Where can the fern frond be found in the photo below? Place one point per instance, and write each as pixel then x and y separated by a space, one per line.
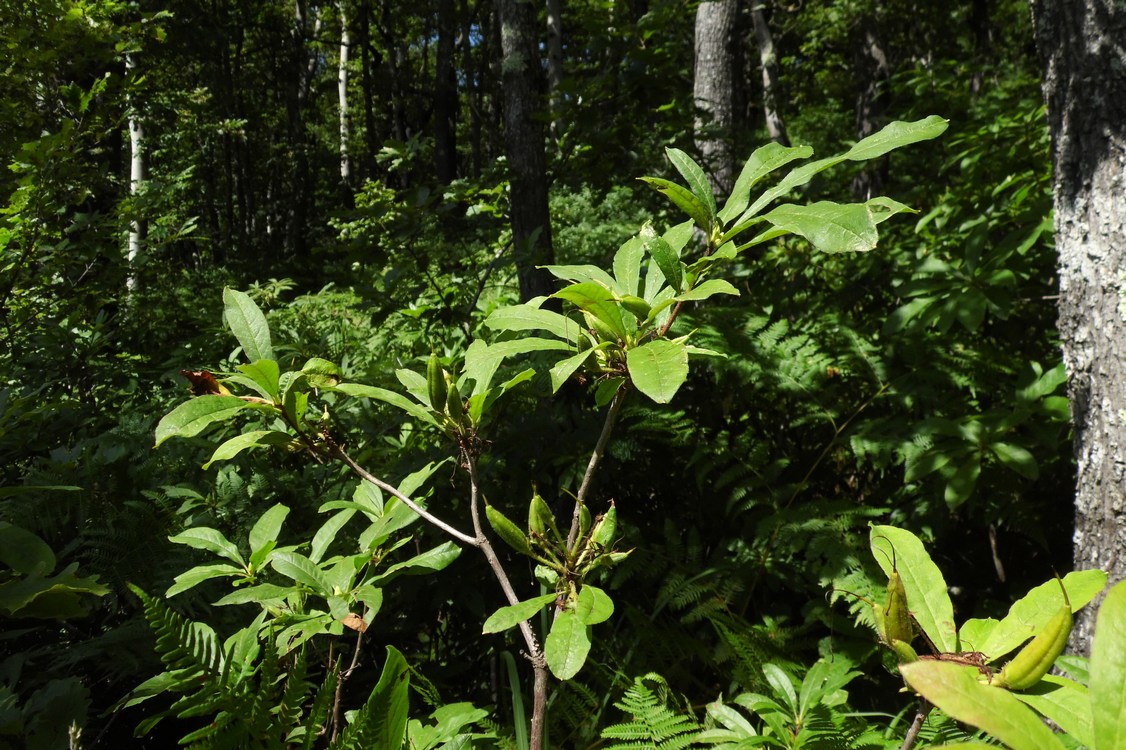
pixel 653 724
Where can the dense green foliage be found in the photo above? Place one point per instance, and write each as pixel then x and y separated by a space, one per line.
pixel 916 384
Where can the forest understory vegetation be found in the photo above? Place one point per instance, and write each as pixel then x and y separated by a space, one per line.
pixel 290 457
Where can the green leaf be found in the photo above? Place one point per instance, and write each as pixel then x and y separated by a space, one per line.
pixel 430 561
pixel 482 360
pixel 23 551
pixel 397 400
pixel 927 596
pixel 202 537
pixel 961 485
pixel 658 368
pixel 511 616
pixel 326 534
pixel 1031 613
pixel 684 200
pixel 264 376
pixel 267 527
pixel 301 569
pixel 527 318
pixel 830 227
pixel 389 705
pixel 707 289
pixel 666 258
pixel 1065 702
pixel 248 324
pixel 1016 458
pixel 567 645
pixel 253 439
pixel 594 605
pixel 562 370
pixel 763 161
pixel 585 274
pixel 627 265
pixel 197 575
pixel 954 688
pixel 1108 671
pixel 596 300
pixel 191 417
pixel 696 179
pixel 897 134
pixel 263 593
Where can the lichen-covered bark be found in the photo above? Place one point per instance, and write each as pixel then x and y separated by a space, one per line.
pixel 1082 47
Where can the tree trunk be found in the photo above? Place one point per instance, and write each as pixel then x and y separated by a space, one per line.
pixel 771 88
pixel 1080 46
pixel 136 179
pixel 555 63
pixel 713 90
pixel 524 147
pixel 874 71
pixel 342 93
pixel 445 95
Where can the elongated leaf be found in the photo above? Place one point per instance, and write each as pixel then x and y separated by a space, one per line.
pixel 191 417
pixel 389 704
pixel 596 300
pixel 666 258
pixel 267 527
pixel 896 134
pixel 247 440
pixel 762 162
pixel 658 368
pixel 511 616
pixel 1031 613
pixel 429 561
pixel 1108 671
pixel 527 318
pixel 197 575
pixel 211 540
pixel 562 370
pixel 303 570
pixel 415 384
pixel 830 227
pixel 326 534
pixel 954 688
pixel 684 200
pixel 707 289
pixel 389 397
pixel 627 265
pixel 1065 702
pixel 263 377
pixel 482 360
pixel 927 597
pixel 567 645
pixel 696 179
pixel 261 594
pixel 585 274
pixel 248 324
pixel 594 605
pixel 1016 458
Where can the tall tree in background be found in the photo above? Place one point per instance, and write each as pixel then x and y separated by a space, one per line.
pixel 521 76
pixel 873 72
pixel 1082 49
pixel 445 95
pixel 342 94
pixel 771 88
pixel 136 172
pixel 713 88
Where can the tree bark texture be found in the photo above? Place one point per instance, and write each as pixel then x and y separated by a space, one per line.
pixel 445 95
pixel 136 178
pixel 874 71
pixel 713 90
pixel 1082 47
pixel 342 94
pixel 521 76
pixel 555 64
pixel 771 88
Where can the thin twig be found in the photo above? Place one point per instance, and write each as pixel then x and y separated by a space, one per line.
pixel 427 515
pixel 920 716
pixel 592 465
